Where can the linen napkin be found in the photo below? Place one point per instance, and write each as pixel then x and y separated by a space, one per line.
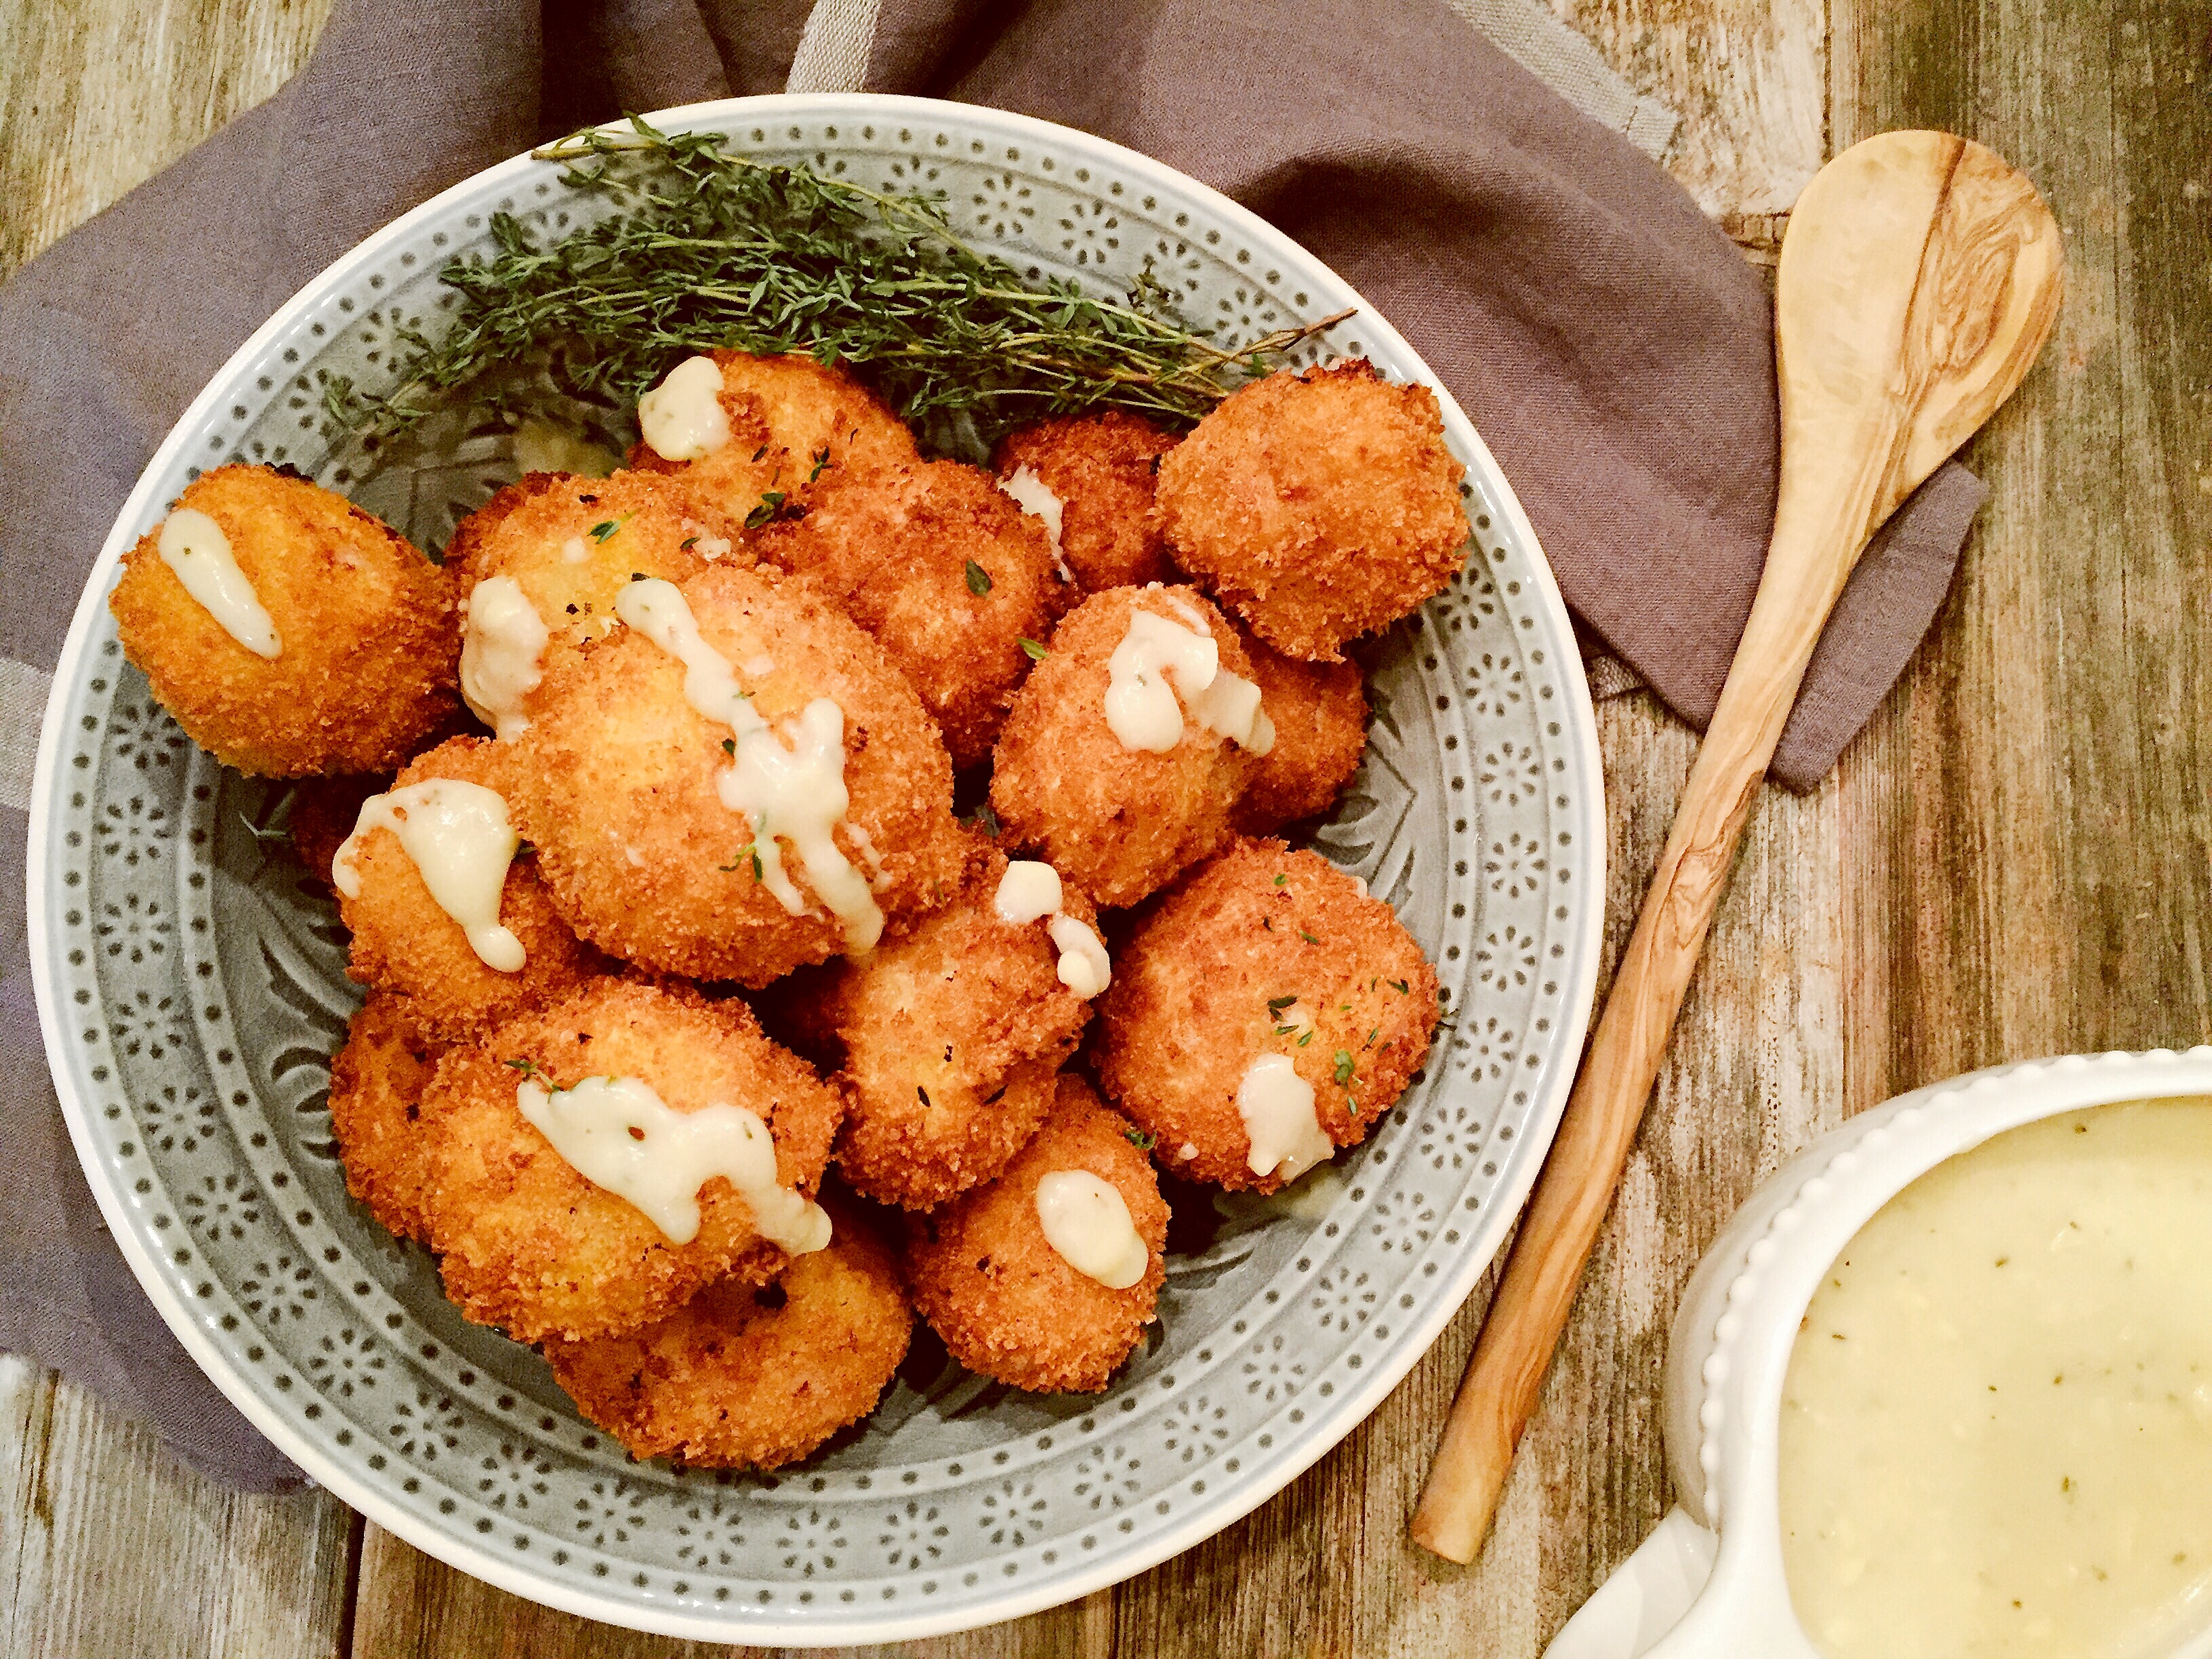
pixel 1608 341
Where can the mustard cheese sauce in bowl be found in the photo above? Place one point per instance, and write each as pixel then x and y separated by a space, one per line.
pixel 191 984
pixel 1944 1387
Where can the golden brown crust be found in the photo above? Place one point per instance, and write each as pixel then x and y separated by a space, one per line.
pixel 625 524
pixel 744 1376
pixel 619 792
pixel 1321 506
pixel 1117 823
pixel 1006 1304
pixel 369 637
pixel 900 548
pixel 529 1244
pixel 794 424
pixel 1197 996
pixel 951 1036
pixel 377 1082
pixel 1102 467
pixel 1320 713
pixel 404 943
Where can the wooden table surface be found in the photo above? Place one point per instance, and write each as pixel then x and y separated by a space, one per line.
pixel 2011 861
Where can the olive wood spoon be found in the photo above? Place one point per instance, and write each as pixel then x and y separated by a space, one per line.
pixel 1919 276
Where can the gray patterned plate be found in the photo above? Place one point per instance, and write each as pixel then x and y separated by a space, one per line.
pixel 192 987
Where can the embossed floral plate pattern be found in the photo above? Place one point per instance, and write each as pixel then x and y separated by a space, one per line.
pixel 191 985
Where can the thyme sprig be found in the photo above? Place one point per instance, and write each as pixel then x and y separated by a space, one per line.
pixel 706 248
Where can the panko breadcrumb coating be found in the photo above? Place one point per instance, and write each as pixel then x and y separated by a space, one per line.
pixel 366 630
pixel 1117 823
pixel 571 544
pixel 526 1241
pixel 405 944
pixel 1264 950
pixel 1103 468
pixel 376 1088
pixel 794 424
pixel 1319 712
pixel 620 785
pixel 1320 506
pixel 945 571
pixel 1006 1301
pixel 951 1035
pixel 751 1377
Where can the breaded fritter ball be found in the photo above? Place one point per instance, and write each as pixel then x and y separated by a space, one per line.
pixel 364 637
pixel 1320 713
pixel 1320 506
pixel 794 424
pixel 526 1243
pixel 1262 951
pixel 622 773
pixel 377 1082
pixel 751 1377
pixel 1101 468
pixel 405 943
pixel 1006 1303
pixel 1118 823
pixel 947 573
pixel 951 1035
pixel 570 545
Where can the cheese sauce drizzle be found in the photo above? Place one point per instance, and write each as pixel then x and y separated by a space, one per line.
pixel 1157 657
pixel 503 642
pixel 617 1133
pixel 1035 497
pixel 1086 1221
pixel 1277 1106
pixel 193 545
pixel 681 418
pixel 794 793
pixel 1031 890
pixel 458 836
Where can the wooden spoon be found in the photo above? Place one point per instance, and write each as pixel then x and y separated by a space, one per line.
pixel 1919 276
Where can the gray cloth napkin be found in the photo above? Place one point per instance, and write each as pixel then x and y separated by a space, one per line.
pixel 1609 341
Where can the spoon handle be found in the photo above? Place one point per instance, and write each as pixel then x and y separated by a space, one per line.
pixel 1812 554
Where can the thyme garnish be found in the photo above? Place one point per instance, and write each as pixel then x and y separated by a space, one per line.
pixel 706 248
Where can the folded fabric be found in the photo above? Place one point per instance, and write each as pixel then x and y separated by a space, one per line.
pixel 1609 341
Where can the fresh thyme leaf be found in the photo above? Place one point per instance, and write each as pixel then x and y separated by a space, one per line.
pixel 1400 987
pixel 770 502
pixel 1279 880
pixel 688 543
pixel 730 747
pixel 606 527
pixel 1343 1067
pixel 1276 1004
pixel 1036 653
pixel 820 461
pixel 979 580
pixel 527 1067
pixel 1143 1140
pixel 702 248
pixel 1307 937
pixel 261 836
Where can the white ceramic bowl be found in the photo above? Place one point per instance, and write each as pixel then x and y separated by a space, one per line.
pixel 1709 1582
pixel 192 989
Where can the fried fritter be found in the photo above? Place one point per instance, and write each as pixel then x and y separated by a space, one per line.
pixel 1118 823
pixel 1007 1304
pixel 945 571
pixel 405 943
pixel 1320 506
pixel 1320 715
pixel 1263 951
pixel 751 1377
pixel 569 544
pixel 366 638
pixel 794 424
pixel 1101 468
pixel 951 1035
pixel 622 773
pixel 377 1082
pixel 527 1242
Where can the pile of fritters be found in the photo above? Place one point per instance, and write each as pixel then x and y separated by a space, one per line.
pixel 924 1084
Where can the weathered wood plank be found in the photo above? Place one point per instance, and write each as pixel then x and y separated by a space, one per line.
pixel 110 1547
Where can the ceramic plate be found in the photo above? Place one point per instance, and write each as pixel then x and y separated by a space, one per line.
pixel 192 987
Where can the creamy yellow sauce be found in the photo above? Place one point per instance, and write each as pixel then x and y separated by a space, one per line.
pixel 1996 1429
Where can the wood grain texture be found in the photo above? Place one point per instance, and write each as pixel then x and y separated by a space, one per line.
pixel 2012 861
